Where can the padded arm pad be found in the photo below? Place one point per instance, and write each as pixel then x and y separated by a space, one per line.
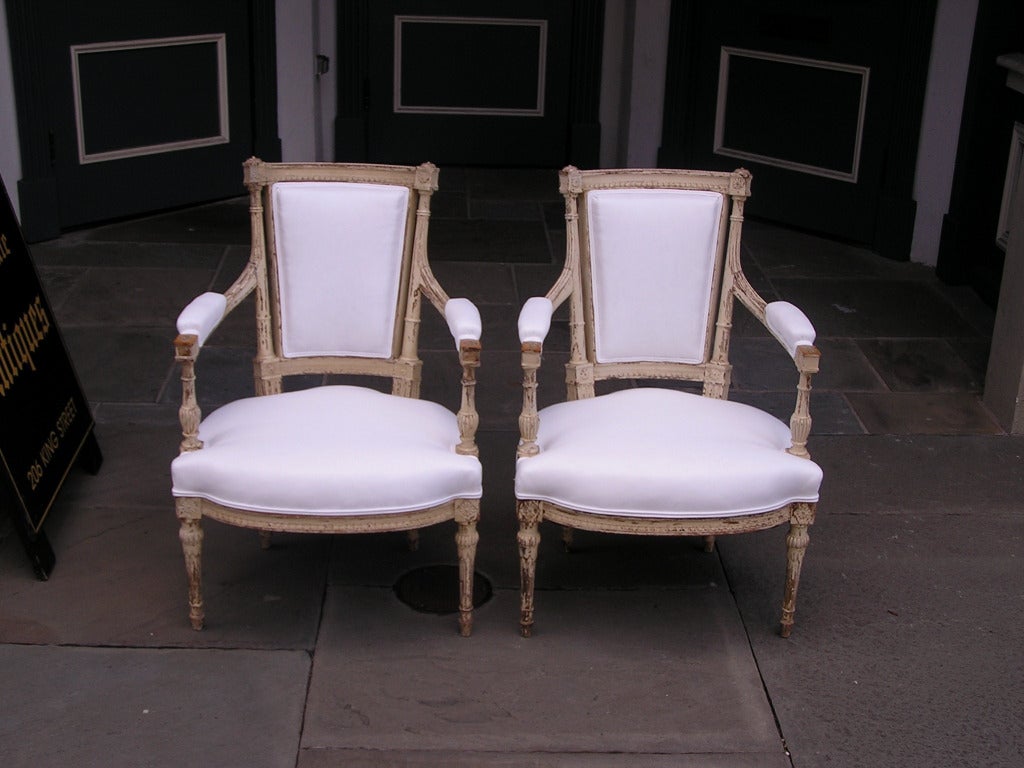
pixel 202 315
pixel 789 325
pixel 463 320
pixel 535 319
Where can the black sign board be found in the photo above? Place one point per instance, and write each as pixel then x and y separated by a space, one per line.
pixel 45 421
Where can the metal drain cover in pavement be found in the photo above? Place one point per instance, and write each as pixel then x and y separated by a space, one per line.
pixel 435 589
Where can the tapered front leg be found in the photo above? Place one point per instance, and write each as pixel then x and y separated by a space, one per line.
pixel 530 514
pixel 466 538
pixel 191 536
pixel 796 547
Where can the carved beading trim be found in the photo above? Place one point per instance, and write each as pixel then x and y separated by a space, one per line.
pixel 665 526
pixel 300 523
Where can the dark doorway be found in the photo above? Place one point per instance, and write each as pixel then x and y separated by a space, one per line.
pixel 821 101
pixel 128 107
pixel 459 82
pixel 975 231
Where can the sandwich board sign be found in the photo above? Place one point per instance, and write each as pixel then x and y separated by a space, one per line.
pixel 45 422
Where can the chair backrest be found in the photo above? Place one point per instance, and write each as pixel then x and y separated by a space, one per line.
pixel 652 265
pixel 339 259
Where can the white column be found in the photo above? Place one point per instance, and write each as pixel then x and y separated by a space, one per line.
pixel 1004 382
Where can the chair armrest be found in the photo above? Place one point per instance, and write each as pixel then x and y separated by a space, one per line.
pixel 463 320
pixel 202 316
pixel 789 325
pixel 794 331
pixel 195 324
pixel 534 324
pixel 535 319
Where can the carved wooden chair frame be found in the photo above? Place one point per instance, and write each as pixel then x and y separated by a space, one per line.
pixel 270 366
pixel 583 371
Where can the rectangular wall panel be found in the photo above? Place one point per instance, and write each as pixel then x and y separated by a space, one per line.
pixel 446 65
pixel 143 97
pixel 800 114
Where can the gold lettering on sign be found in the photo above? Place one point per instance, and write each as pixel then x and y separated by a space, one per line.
pixel 5 249
pixel 51 443
pixel 19 342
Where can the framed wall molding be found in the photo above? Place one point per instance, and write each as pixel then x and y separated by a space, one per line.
pixel 769 104
pixel 498 84
pixel 109 71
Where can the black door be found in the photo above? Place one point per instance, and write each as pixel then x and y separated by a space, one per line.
pixel 137 106
pixel 821 101
pixel 469 82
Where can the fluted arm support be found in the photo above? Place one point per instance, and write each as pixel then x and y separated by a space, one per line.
pixel 807 358
pixel 468 418
pixel 195 324
pixel 528 419
pixel 186 350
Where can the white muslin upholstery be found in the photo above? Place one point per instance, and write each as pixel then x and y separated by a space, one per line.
pixel 339 253
pixel 652 252
pixel 535 319
pixel 663 453
pixel 202 315
pixel 335 450
pixel 789 325
pixel 463 320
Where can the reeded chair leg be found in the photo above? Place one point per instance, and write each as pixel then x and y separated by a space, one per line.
pixel 466 539
pixel 191 535
pixel 709 544
pixel 529 513
pixel 796 546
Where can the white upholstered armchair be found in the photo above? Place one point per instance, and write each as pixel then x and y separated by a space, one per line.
pixel 339 270
pixel 651 274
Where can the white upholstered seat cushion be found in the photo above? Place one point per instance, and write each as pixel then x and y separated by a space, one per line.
pixel 335 450
pixel 662 453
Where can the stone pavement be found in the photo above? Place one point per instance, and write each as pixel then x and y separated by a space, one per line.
pixel 647 652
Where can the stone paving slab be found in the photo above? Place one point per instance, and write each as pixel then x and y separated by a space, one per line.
pixel 120 581
pixel 638 672
pixel 924 413
pixel 919 473
pixel 361 758
pixel 906 649
pixel 160 708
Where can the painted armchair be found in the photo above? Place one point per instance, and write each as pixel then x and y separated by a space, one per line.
pixel 651 274
pixel 339 269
